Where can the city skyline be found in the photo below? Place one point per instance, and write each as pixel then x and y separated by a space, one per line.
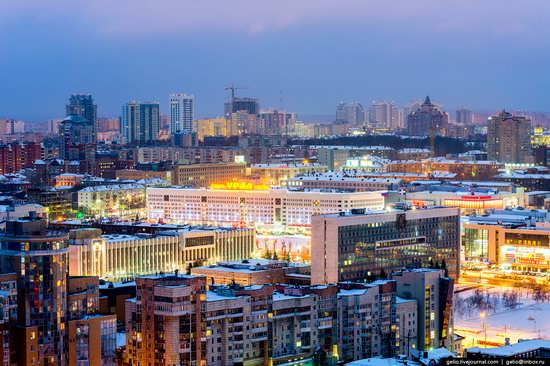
pixel 353 51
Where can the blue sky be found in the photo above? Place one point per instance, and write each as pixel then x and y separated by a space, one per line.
pixel 488 54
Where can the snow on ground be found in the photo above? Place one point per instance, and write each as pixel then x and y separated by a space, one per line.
pixel 530 320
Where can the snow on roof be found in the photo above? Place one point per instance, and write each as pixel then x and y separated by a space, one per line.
pixel 378 361
pixel 513 349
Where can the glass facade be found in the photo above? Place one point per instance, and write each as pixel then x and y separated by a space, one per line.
pixel 40 259
pixel 365 250
pixel 476 244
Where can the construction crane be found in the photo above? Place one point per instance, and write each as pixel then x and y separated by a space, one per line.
pixel 233 88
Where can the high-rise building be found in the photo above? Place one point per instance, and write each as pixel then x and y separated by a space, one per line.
pixel 166 323
pixel 509 138
pixel 464 116
pixel 248 105
pixel 353 113
pixel 362 244
pixel 82 105
pixel 433 292
pixel 140 122
pixel 276 123
pixel 426 118
pixel 78 143
pixel 182 112
pixel 384 114
pixel 39 258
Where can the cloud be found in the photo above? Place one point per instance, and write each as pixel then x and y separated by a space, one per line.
pixel 146 18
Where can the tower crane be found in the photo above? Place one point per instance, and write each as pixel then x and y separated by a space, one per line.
pixel 232 87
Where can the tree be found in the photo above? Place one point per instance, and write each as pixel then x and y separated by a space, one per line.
pixel 267 254
pixel 275 256
pixel 431 263
pixel 383 274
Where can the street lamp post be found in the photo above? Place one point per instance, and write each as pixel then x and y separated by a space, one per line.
pixel 482 316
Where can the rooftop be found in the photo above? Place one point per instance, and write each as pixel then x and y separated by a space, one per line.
pixel 513 349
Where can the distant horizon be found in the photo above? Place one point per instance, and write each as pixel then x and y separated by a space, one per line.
pixel 308 118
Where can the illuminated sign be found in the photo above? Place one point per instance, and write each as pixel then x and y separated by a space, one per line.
pixel 240 186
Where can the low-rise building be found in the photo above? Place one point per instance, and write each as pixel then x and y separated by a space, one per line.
pixel 119 256
pixel 125 200
pixel 528 349
pixel 248 272
pixel 343 181
pixel 279 174
pixel 204 175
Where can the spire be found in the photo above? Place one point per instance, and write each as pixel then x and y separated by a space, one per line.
pixel 428 101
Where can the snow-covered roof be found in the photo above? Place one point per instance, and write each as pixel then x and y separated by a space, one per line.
pixel 513 349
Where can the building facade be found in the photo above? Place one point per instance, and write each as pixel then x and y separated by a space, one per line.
pixel 433 292
pixel 118 256
pixel 359 245
pixel 140 122
pixel 509 138
pixel 248 205
pixel 426 119
pixel 204 175
pixel 182 113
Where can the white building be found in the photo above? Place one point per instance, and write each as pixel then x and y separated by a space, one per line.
pixel 115 199
pixel 266 209
pixel 181 113
pixel 344 181
pixel 119 256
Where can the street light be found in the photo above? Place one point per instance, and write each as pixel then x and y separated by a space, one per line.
pixel 482 316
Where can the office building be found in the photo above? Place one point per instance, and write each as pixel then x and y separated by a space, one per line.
pixel 509 138
pixel 118 256
pixel 82 105
pixel 250 106
pixel 433 292
pixel 165 322
pixel 140 122
pixel 352 113
pixel 204 175
pixel 362 244
pixel 182 113
pixel 425 119
pixel 39 258
pixel 248 205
